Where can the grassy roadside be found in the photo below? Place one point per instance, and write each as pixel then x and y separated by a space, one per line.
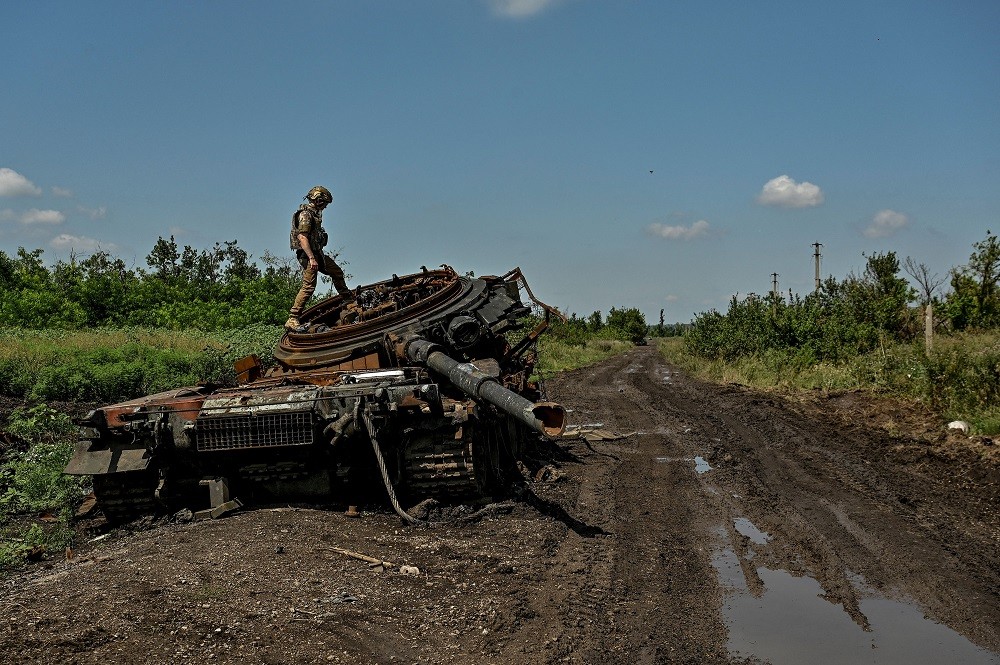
pixel 558 356
pixel 960 380
pixel 119 363
pixel 36 499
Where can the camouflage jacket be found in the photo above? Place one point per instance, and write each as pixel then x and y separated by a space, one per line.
pixel 308 220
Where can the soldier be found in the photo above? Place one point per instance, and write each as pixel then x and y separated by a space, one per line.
pixel 308 238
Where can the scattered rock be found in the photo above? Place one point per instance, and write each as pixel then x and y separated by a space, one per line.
pixel 548 473
pixel 183 515
pixel 959 425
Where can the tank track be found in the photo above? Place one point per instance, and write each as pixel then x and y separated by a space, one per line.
pixel 440 469
pixel 126 496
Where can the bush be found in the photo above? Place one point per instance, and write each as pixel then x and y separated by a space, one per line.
pixel 840 321
pixel 32 484
pixel 210 289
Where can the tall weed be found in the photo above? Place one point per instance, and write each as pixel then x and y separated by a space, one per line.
pixel 32 485
pixel 959 380
pixel 557 355
pixel 116 364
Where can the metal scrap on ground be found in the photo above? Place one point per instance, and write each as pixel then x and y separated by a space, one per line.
pixel 593 433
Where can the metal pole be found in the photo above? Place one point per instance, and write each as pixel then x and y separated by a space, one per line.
pixel 928 327
pixel 817 255
pixel 774 294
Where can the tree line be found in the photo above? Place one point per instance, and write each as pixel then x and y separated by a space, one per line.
pixel 623 323
pixel 220 288
pixel 214 289
pixel 847 317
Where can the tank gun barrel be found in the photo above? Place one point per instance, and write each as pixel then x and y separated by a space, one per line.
pixel 547 418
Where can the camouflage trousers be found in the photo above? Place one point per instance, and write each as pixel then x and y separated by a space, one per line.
pixel 327 266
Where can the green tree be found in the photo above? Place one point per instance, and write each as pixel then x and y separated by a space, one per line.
pixel 974 300
pixel 630 322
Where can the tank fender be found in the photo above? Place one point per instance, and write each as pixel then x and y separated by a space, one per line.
pixel 90 460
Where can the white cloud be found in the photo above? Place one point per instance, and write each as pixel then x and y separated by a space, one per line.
pixel 697 229
pixel 786 193
pixel 885 223
pixel 94 213
pixel 65 241
pixel 36 216
pixel 521 8
pixel 6 215
pixel 13 183
pixel 61 192
pixel 672 298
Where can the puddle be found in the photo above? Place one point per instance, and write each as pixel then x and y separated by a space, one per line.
pixel 700 465
pixel 748 529
pixel 791 623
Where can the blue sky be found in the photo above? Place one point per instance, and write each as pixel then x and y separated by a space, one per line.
pixel 633 153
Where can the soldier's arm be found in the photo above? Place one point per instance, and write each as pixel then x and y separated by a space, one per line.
pixel 305 222
pixel 304 244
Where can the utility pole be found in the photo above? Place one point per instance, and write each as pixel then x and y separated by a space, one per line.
pixel 817 256
pixel 774 294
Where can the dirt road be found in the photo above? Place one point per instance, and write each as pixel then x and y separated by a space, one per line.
pixel 727 526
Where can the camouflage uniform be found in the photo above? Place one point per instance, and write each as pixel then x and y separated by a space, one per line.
pixel 308 219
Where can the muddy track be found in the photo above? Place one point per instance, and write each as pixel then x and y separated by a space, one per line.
pixel 612 555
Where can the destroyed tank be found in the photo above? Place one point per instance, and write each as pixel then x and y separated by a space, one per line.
pixel 414 386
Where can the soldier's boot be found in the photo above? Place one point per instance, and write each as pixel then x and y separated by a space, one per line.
pixel 341 285
pixel 293 322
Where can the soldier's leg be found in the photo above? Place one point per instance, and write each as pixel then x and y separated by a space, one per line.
pixel 335 272
pixel 309 277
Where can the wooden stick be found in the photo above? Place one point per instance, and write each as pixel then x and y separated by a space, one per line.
pixel 363 557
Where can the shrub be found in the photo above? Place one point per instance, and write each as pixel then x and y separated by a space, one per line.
pixel 32 483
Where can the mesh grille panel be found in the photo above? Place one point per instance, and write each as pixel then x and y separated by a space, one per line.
pixel 245 431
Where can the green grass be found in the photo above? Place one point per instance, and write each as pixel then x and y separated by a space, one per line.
pixel 121 363
pixel 960 379
pixel 557 356
pixel 36 499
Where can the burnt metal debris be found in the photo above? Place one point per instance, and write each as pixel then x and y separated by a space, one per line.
pixel 414 386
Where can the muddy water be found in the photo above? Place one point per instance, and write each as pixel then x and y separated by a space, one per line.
pixel 791 622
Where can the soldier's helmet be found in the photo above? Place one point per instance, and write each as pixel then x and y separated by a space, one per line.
pixel 320 194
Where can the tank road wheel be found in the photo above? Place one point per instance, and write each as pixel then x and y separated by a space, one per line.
pixel 126 496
